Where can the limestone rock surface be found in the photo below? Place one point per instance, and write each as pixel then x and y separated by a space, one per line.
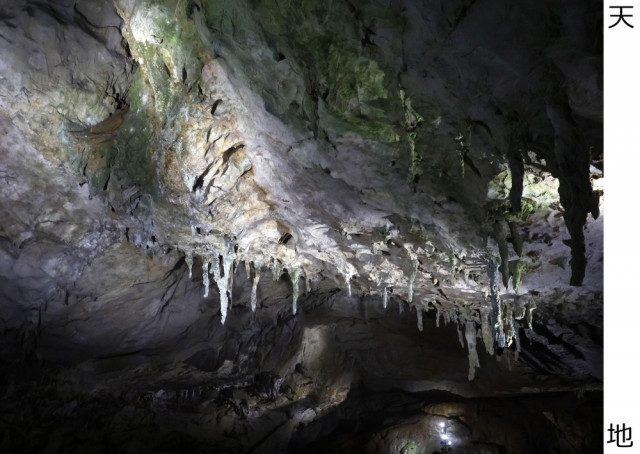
pixel 285 226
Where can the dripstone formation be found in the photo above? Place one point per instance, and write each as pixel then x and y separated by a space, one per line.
pixel 321 226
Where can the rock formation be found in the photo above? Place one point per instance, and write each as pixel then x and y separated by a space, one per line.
pixel 275 226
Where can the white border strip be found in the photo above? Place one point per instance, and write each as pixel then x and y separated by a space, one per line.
pixel 621 223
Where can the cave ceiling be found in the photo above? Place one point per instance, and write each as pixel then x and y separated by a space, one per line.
pixel 199 194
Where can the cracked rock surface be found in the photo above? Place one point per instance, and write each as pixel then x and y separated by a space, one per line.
pixel 285 226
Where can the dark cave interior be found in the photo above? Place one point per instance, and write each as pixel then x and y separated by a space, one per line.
pixel 280 227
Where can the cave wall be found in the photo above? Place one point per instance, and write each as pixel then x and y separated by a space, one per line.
pixel 222 219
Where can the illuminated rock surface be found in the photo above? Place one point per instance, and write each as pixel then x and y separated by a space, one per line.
pixel 333 174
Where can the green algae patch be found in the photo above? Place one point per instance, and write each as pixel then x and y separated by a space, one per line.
pixel 167 46
pixel 136 139
pixel 411 118
pixel 502 209
pixel 356 95
pixel 518 268
pixel 353 89
pixel 342 123
pixel 539 192
pixel 355 83
pixel 120 146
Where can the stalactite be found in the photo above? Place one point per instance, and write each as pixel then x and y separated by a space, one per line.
pixel 508 324
pixel 412 278
pixel 232 271
pixel 487 333
pixel 254 287
pixel 516 239
pixel 496 304
pixel 189 260
pixel 500 235
pixel 470 334
pixel 227 266
pixel 222 281
pixel 530 308
pixel 347 279
pixel 295 279
pixel 215 267
pixel 205 276
pixel 517 339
